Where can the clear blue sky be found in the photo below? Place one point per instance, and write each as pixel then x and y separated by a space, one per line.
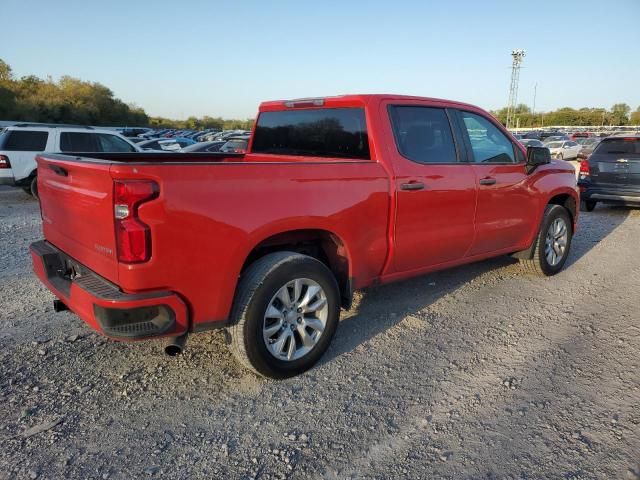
pixel 222 58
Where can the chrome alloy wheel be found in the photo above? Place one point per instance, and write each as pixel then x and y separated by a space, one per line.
pixel 555 244
pixel 295 319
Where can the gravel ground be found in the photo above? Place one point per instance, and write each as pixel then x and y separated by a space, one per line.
pixel 476 372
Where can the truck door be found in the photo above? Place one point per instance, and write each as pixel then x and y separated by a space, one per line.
pixel 435 189
pixel 506 208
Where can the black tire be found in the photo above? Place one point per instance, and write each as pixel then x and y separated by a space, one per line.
pixel 257 286
pixel 539 264
pixel 32 189
pixel 588 205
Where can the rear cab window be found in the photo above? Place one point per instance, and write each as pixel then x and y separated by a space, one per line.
pixel 314 132
pixel 620 146
pixel 24 141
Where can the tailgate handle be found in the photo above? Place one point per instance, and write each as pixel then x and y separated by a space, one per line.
pixel 59 170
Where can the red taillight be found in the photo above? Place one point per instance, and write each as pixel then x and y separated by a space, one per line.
pixel 4 162
pixel 584 169
pixel 133 237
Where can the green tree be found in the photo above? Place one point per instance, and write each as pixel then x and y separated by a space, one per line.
pixel 620 113
pixel 634 119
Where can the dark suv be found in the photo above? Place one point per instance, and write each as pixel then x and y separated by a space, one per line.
pixel 612 173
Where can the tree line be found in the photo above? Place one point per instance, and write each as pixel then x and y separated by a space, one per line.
pixel 70 100
pixel 619 114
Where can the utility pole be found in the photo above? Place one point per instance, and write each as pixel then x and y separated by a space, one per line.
pixel 518 57
pixel 535 92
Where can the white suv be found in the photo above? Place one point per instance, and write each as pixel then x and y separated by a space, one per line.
pixel 20 143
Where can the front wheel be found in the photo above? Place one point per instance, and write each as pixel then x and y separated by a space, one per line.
pixel 552 243
pixel 285 314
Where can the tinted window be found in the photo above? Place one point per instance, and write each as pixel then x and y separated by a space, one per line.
pixel 619 146
pixel 78 142
pixel 326 132
pixel 112 143
pixel 488 143
pixel 25 141
pixel 423 134
pixel 92 142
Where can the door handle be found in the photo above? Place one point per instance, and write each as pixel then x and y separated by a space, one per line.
pixel 487 181
pixel 412 186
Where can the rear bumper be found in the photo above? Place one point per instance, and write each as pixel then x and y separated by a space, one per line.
pixel 619 196
pixel 102 305
pixel 6 178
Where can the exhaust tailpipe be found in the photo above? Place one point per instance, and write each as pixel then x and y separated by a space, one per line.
pixel 175 345
pixel 59 306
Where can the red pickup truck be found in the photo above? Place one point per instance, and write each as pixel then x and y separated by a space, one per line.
pixel 334 194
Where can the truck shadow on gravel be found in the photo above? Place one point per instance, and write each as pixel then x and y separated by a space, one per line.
pixel 380 308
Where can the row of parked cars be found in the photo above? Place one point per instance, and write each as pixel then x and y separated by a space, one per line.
pixel 607 164
pixel 172 140
pixel 20 143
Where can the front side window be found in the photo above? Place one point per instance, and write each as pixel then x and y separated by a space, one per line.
pixel 92 143
pixel 423 134
pixel 317 132
pixel 112 143
pixel 488 143
pixel 25 141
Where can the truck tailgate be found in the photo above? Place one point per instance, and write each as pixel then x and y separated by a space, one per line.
pixel 76 202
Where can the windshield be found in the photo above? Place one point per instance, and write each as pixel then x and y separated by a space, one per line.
pixel 554 145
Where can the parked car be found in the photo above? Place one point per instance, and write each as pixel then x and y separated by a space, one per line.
pixel 612 173
pixel 576 135
pixel 530 142
pixel 134 132
pixel 563 150
pixel 336 194
pixel 204 147
pixel 546 135
pixel 555 138
pixel 587 145
pixel 236 144
pixel 20 143
pixel 170 144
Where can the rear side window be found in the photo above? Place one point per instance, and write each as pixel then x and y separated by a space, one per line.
pixel 25 141
pixel 78 142
pixel 629 146
pixel 322 132
pixel 423 134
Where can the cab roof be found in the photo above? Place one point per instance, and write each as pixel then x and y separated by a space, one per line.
pixel 351 100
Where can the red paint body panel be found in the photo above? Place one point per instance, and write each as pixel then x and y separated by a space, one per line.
pixel 210 215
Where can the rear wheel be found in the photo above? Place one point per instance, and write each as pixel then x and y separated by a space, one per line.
pixel 285 314
pixel 588 205
pixel 552 243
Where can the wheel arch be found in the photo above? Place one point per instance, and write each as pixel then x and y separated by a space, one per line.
pixel 565 198
pixel 321 244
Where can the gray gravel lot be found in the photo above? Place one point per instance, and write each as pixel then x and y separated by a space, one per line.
pixel 477 372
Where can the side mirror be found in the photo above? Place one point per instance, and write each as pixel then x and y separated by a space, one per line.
pixel 537 156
